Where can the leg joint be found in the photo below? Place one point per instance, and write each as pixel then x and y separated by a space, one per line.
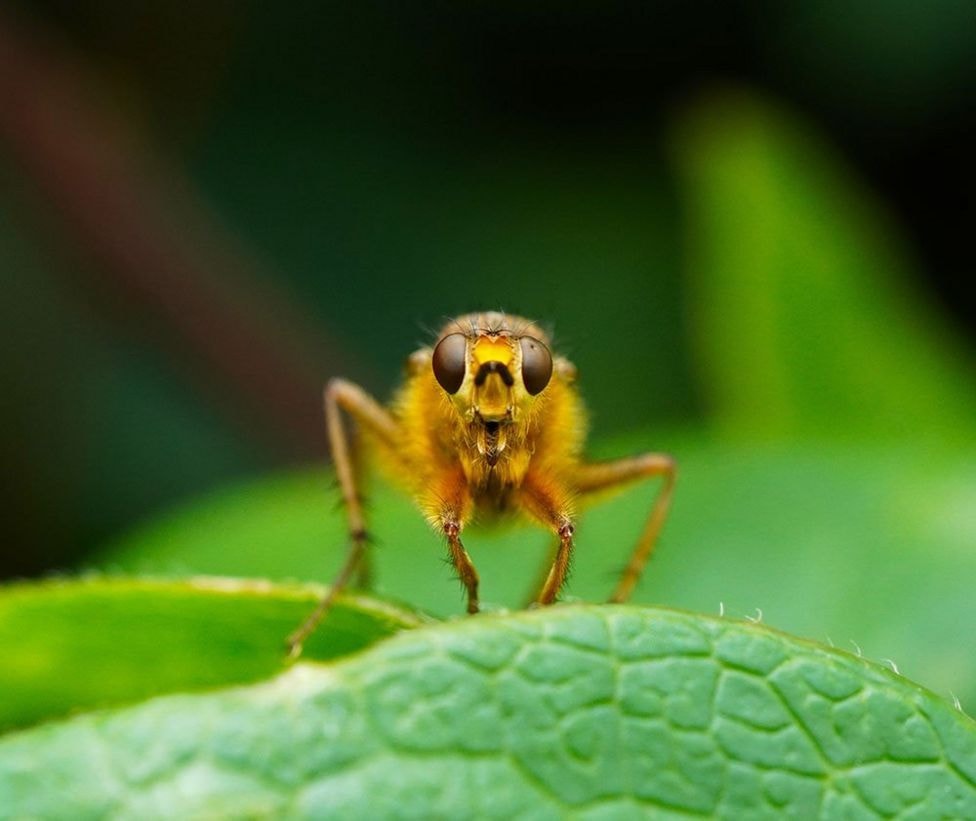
pixel 334 387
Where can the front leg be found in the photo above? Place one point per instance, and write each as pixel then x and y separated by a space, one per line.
pixel 550 503
pixel 448 506
pixel 462 562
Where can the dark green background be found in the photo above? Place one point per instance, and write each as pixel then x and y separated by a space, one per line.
pixel 374 167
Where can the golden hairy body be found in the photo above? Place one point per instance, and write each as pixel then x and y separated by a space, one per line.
pixel 447 454
pixel 487 421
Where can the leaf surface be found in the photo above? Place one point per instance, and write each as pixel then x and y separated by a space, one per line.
pixel 598 711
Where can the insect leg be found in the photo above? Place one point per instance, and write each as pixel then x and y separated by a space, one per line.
pixel 342 395
pixel 604 475
pixel 560 566
pixel 447 504
pixel 550 504
pixel 542 574
pixel 462 562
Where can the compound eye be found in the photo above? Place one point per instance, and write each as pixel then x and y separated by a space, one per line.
pixel 536 365
pixel 450 361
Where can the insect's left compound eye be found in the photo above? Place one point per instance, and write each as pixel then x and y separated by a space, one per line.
pixel 536 365
pixel 450 361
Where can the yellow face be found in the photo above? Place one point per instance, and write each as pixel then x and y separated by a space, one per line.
pixel 492 374
pixel 493 396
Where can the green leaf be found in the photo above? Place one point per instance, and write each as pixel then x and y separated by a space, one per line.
pixel 72 645
pixel 865 545
pixel 803 305
pixel 596 711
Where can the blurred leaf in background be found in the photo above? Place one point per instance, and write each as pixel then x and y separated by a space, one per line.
pixel 806 319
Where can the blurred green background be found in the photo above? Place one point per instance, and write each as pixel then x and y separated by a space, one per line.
pixel 747 223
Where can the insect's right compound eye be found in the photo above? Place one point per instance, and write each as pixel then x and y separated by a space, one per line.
pixel 450 361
